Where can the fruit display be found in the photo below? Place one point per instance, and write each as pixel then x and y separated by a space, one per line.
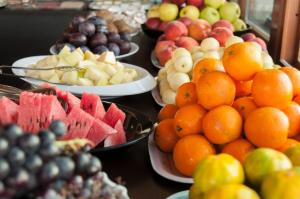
pixel 183 66
pixel 34 166
pixel 90 69
pixel 96 35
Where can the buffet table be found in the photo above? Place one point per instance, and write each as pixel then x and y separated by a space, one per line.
pixel 27 33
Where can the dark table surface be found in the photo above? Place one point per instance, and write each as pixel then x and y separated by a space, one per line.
pixel 28 33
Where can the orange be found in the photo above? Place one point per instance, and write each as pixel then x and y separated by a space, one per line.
pixel 272 87
pixel 294 76
pixel 214 89
pixel 242 61
pixel 167 112
pixel 222 124
pixel 297 137
pixel 239 149
pixel 204 66
pixel 244 105
pixel 189 151
pixel 188 120
pixel 297 99
pixel 243 88
pixel 165 135
pixel 287 144
pixel 186 94
pixel 292 111
pixel 267 127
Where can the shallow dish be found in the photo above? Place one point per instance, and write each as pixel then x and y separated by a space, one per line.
pixel 156 95
pixel 134 49
pixel 144 83
pixel 180 195
pixel 163 164
pixel 155 61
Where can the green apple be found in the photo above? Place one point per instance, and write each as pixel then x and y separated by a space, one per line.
pixel 230 11
pixel 153 12
pixel 190 11
pixel 210 14
pixel 168 11
pixel 239 25
pixel 214 3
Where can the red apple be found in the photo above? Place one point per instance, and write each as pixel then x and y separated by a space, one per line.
pixel 223 23
pixel 197 3
pixel 199 29
pixel 163 25
pixel 261 42
pixel 178 2
pixel 186 20
pixel 248 36
pixel 221 34
pixel 153 23
pixel 164 56
pixel 186 42
pixel 175 29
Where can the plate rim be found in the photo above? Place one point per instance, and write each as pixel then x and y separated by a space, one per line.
pixel 154 60
pixel 155 93
pixel 180 193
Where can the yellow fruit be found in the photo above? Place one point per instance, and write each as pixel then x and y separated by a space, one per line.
pixel 294 155
pixel 195 193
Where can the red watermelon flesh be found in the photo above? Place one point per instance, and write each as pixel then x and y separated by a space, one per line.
pixel 99 131
pixel 29 111
pixel 9 111
pixel 79 123
pixel 69 98
pixel 116 138
pixel 114 114
pixel 92 104
pixel 51 110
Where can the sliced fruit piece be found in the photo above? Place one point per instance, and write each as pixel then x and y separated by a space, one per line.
pixel 9 111
pixel 116 138
pixel 114 114
pixel 92 104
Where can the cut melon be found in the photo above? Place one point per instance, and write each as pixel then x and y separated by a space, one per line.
pixel 92 104
pixel 114 114
pixel 116 138
pixel 69 98
pixel 9 111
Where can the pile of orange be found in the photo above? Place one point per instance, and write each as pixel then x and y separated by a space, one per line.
pixel 231 106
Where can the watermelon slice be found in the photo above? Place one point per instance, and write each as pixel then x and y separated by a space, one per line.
pixel 116 138
pixel 99 131
pixel 9 111
pixel 51 110
pixel 92 104
pixel 29 111
pixel 79 123
pixel 69 98
pixel 114 114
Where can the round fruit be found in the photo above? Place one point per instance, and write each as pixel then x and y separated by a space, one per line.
pixel 205 66
pixel 188 120
pixel 293 154
pixel 244 105
pixel 243 88
pixel 242 54
pixel 294 76
pixel 263 161
pixel 239 149
pixel 114 48
pixel 216 170
pixel 186 94
pixel 165 136
pixel 195 192
pixel 292 111
pixel 214 89
pixel 77 39
pixel 189 151
pixel 236 191
pixel 272 87
pixel 297 99
pixel 289 143
pixel 267 127
pixel 167 112
pixel 222 125
pixel 282 184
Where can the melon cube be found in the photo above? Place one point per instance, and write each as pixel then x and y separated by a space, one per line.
pixel 9 111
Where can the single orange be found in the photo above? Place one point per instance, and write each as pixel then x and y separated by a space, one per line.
pixel 188 120
pixel 272 87
pixel 239 149
pixel 165 135
pixel 214 89
pixel 297 137
pixel 206 65
pixel 244 105
pixel 189 151
pixel 186 94
pixel 222 124
pixel 297 99
pixel 167 112
pixel 294 75
pixel 267 127
pixel 292 111
pixel 243 88
pixel 287 144
pixel 242 61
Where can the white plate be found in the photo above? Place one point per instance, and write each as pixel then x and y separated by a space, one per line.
pixel 133 50
pixel 163 164
pixel 156 95
pixel 144 83
pixel 180 195
pixel 155 61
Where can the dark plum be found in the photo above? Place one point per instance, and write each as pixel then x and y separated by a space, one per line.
pixel 78 19
pixel 124 46
pixel 97 20
pixel 125 36
pixel 114 48
pixel 72 28
pixel 78 39
pixel 113 37
pixel 97 40
pixel 101 29
pixel 87 28
pixel 100 49
pixel 84 48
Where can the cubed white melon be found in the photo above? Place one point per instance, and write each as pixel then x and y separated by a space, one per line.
pixel 95 74
pixel 54 79
pixel 102 82
pixel 117 77
pixel 85 82
pixel 70 77
pixel 107 57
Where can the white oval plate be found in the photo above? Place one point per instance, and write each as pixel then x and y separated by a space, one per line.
pixel 155 61
pixel 144 83
pixel 134 49
pixel 163 164
pixel 156 95
pixel 180 195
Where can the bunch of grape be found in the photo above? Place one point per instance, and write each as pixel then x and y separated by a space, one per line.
pixel 32 165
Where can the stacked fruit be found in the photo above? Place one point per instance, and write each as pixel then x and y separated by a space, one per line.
pixel 179 68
